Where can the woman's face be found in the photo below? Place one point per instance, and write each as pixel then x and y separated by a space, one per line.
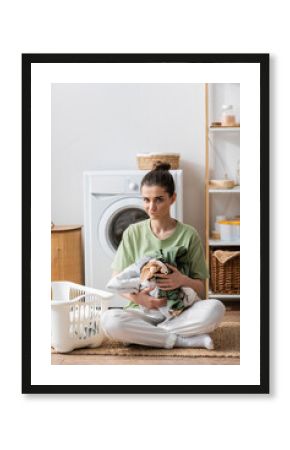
pixel 157 202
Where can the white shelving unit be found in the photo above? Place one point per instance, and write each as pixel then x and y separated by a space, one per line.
pixel 222 161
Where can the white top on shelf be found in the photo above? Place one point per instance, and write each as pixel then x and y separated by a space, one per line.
pixel 224 296
pixel 218 242
pixel 234 190
pixel 223 129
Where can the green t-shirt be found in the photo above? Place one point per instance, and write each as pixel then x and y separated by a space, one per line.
pixel 138 240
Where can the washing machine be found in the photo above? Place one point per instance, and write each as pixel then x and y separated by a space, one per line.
pixel 112 202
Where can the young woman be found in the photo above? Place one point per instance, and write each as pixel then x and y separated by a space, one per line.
pixel 161 232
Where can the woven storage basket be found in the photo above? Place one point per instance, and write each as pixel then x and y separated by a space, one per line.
pixel 146 162
pixel 225 278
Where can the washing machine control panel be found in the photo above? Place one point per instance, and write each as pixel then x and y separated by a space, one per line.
pixel 133 186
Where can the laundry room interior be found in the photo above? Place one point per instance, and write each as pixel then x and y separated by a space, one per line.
pixel 104 139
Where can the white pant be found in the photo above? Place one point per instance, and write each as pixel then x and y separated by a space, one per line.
pixel 149 328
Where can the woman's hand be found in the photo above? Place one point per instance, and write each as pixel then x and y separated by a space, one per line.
pixel 143 298
pixel 170 281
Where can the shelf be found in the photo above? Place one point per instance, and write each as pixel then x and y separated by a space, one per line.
pixel 223 129
pixel 234 190
pixel 224 296
pixel 218 242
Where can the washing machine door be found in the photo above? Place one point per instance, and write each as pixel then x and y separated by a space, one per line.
pixel 116 218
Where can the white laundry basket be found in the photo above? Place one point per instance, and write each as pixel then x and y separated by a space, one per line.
pixel 75 316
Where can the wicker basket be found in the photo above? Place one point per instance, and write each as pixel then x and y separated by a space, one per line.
pixel 225 278
pixel 147 161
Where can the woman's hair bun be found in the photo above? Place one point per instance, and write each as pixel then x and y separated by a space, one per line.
pixel 159 175
pixel 159 165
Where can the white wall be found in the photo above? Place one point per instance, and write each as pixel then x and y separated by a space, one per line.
pixel 104 126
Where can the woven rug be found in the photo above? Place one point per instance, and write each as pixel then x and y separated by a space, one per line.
pixel 226 340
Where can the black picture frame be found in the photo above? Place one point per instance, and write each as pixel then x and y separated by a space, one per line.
pixel 263 61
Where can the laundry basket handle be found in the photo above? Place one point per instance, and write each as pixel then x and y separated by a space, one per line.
pixel 104 303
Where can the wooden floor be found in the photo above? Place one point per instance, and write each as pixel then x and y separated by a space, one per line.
pixel 117 360
pixel 232 315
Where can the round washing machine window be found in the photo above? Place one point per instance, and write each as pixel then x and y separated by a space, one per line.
pixel 116 219
pixel 121 221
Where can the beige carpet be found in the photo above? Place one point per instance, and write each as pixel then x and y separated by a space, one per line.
pixel 226 340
